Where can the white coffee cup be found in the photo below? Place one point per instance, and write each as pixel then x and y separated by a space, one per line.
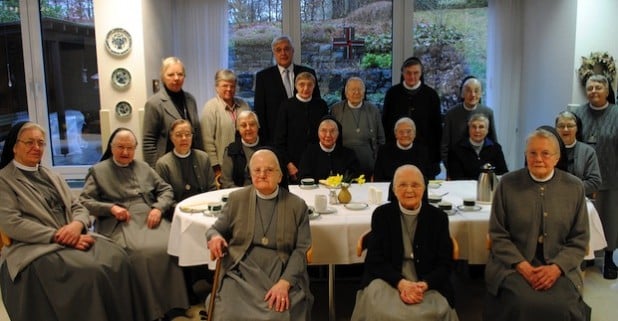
pixel 320 202
pixel 378 197
pixel 372 195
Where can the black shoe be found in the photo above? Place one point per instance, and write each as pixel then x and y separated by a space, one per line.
pixel 610 271
pixel 174 313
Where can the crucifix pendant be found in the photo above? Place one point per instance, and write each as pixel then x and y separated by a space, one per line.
pixel 264 240
pixel 358 130
pixel 187 187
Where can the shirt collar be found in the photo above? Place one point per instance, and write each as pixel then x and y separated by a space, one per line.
pixel 25 167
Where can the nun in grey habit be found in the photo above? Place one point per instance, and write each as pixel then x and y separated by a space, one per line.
pixel 54 269
pixel 130 201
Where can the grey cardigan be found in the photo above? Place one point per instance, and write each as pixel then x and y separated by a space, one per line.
pixel 102 190
pixel 586 167
pixel 168 167
pixel 159 114
pixel 516 221
pixel 24 217
pixel 237 223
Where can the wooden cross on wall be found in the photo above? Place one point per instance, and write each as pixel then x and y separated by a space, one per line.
pixel 348 42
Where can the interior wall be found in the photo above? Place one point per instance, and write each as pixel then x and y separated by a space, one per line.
pixel 547 77
pixel 595 31
pixel 147 22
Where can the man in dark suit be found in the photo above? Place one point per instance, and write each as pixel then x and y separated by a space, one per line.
pixel 270 86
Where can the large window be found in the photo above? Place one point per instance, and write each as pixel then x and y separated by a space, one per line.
pixel 341 39
pixel 70 60
pixel 68 72
pixel 13 102
pixel 450 37
pixel 253 24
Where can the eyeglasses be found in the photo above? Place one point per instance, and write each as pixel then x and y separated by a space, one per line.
pixel 284 49
pixel 566 126
pixel 404 132
pixel 544 154
pixel 125 148
pixel 406 186
pixel 31 143
pixel 268 171
pixel 183 135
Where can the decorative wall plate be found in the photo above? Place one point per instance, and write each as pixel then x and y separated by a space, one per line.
pixel 118 42
pixel 121 78
pixel 123 109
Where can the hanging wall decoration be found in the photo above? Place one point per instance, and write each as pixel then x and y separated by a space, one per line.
pixel 118 42
pixel 597 63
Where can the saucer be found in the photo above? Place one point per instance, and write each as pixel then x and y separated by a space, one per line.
pixel 197 208
pixel 314 186
pixel 329 210
pixel 313 216
pixel 356 206
pixel 474 208
pixel 450 212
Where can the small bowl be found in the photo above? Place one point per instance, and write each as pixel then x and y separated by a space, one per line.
pixel 215 207
pixel 445 206
pixel 307 182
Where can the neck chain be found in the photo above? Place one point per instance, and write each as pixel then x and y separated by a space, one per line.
pixel 264 239
pixel 356 120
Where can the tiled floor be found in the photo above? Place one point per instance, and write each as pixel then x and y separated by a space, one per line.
pixel 600 294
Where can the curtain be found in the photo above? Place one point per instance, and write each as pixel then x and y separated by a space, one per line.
pixel 201 40
pixel 504 65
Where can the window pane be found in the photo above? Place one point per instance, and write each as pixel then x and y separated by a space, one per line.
pixel 69 54
pixel 13 101
pixel 450 38
pixel 347 38
pixel 253 24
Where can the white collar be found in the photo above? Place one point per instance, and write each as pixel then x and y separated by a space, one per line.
pixel 475 144
pixel 536 179
pixel 179 155
pixel 328 150
pixel 404 148
pixel 120 165
pixel 413 212
pixel 355 106
pixel 413 87
pixel 250 145
pixel 599 108
pixel 25 167
pixel 290 68
pixel 469 108
pixel 302 99
pixel 269 196
pixel 572 145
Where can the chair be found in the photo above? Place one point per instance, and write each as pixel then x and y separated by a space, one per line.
pixel 361 245
pixel 5 240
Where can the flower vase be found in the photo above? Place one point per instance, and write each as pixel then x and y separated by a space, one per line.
pixel 344 196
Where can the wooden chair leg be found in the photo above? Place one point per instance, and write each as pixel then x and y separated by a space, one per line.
pixel 213 292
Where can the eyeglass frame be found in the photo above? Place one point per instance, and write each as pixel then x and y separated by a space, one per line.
pixel 31 143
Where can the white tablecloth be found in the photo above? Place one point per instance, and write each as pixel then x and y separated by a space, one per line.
pixel 335 235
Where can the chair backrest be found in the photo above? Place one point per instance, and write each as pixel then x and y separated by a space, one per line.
pixel 361 245
pixel 5 240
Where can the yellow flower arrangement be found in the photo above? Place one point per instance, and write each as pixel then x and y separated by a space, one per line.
pixel 337 180
pixel 597 63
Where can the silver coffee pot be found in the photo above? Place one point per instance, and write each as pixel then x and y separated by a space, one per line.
pixel 486 184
